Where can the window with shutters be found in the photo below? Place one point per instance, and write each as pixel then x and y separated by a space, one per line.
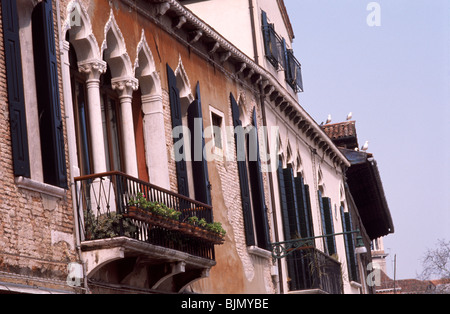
pixel 349 244
pixel 48 98
pixel 295 204
pixel 35 111
pixel 326 214
pixel 273 43
pixel 187 118
pixel 251 180
pixel 293 71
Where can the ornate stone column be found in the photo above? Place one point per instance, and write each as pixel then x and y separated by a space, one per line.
pixel 94 68
pixel 125 87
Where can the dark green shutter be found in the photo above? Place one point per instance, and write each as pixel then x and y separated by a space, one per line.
pixel 349 245
pixel 259 200
pixel 199 163
pixel 14 78
pixel 239 138
pixel 285 60
pixel 323 219
pixel 303 212
pixel 328 224
pixel 308 205
pixel 284 183
pixel 283 202
pixel 175 107
pixel 266 34
pixel 47 90
pixel 291 199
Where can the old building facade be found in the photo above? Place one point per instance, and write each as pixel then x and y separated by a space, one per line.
pixel 125 124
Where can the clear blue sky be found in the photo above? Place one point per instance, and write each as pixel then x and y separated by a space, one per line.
pixel 395 79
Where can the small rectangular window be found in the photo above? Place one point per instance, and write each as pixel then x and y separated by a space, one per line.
pixel 216 122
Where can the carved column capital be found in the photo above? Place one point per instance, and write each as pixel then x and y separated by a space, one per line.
pixel 125 85
pixel 93 68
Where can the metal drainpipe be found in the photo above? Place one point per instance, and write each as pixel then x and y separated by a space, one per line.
pixel 74 205
pixel 252 21
pixel 263 111
pixel 275 223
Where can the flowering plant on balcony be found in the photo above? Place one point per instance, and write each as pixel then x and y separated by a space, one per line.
pixel 158 208
pixel 215 227
pixel 141 202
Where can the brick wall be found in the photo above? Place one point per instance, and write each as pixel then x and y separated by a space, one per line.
pixel 36 230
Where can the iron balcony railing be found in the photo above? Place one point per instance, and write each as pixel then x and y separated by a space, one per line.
pixel 311 269
pixel 274 46
pixel 293 71
pixel 104 211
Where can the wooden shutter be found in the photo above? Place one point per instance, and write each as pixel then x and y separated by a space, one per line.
pixel 322 216
pixel 283 202
pixel 329 225
pixel 349 245
pixel 14 78
pixel 259 200
pixel 266 34
pixel 304 214
pixel 175 107
pixel 202 185
pixel 308 209
pixel 47 89
pixel 291 199
pixel 243 178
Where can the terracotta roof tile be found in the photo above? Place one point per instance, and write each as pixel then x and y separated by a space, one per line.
pixel 340 130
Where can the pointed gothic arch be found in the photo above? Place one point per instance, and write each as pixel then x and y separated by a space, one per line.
pixel 145 70
pixel 320 181
pixel 244 110
pixel 114 50
pixel 183 83
pixel 77 29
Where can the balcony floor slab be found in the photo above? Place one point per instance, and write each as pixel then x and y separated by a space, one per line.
pixel 97 253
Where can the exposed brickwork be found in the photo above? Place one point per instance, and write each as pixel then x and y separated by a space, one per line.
pixel 29 254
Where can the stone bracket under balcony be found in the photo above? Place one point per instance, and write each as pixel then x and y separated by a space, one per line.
pixel 147 266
